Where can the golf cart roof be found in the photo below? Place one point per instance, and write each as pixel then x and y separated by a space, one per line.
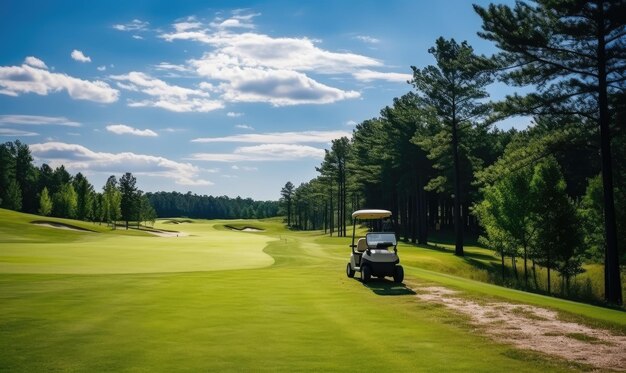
pixel 371 214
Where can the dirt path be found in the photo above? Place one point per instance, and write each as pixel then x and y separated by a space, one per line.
pixel 536 329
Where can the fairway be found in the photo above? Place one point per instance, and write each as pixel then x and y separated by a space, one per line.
pixel 227 300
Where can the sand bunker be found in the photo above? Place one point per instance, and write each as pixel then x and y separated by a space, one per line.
pixel 161 233
pixel 244 229
pixel 536 329
pixel 57 225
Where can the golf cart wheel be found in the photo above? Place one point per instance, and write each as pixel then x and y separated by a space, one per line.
pixel 398 275
pixel 349 271
pixel 366 274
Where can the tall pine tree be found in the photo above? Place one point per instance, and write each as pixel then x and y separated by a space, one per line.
pixel 573 52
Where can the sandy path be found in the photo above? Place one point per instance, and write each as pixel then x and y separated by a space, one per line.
pixel 536 329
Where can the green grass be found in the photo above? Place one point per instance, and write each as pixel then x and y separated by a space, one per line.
pixel 220 300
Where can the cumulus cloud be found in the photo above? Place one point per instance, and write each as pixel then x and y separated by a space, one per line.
pixel 134 25
pixel 254 67
pixel 101 68
pixel 277 87
pixel 244 127
pixel 37 120
pixel 263 152
pixel 122 129
pixel 351 123
pixel 79 56
pixel 233 114
pixel 15 80
pixel 79 158
pixel 369 75
pixel 166 96
pixel 279 137
pixel 35 62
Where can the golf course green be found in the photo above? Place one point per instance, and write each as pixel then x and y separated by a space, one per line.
pixel 220 298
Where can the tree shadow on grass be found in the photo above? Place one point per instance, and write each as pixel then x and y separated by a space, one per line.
pixel 386 287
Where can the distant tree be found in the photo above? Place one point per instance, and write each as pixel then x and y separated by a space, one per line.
pixel 573 53
pixel 97 211
pixel 111 201
pixel 7 171
pixel 453 89
pixel 341 151
pixel 146 211
pixel 65 201
pixel 84 192
pixel 286 193
pixel 45 203
pixel 130 198
pixel 13 197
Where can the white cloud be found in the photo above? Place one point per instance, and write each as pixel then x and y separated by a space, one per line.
pixel 187 26
pixel 122 129
pixel 367 39
pixel 279 137
pixel 369 75
pixel 15 80
pixel 254 67
pixel 79 158
pixel 351 123
pixel 233 114
pixel 244 168
pixel 37 120
pixel 263 152
pixel 138 37
pixel 172 130
pixel 79 56
pixel 169 97
pixel 10 132
pixel 35 62
pixel 102 68
pixel 134 25
pixel 244 127
pixel 166 66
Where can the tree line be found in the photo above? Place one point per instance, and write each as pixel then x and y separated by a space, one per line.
pixel 168 204
pixel 546 194
pixel 55 192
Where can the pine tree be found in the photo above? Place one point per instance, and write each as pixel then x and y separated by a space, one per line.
pixel 573 52
pixel 286 193
pixel 130 198
pixel 453 89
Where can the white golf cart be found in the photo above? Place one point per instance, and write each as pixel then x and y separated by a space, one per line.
pixel 376 254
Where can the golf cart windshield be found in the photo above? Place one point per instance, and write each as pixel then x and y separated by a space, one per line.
pixel 377 240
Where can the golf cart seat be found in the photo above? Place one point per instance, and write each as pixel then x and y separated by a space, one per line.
pixel 361 245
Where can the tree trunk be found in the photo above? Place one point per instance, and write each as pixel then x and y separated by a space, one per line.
pixel 525 266
pixel 612 280
pixel 502 262
pixel 458 223
pixel 549 265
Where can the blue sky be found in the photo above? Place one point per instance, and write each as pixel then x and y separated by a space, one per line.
pixel 214 97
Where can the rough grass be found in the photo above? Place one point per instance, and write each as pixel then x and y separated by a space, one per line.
pixel 220 300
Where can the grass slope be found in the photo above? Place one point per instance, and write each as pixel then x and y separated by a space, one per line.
pixel 295 311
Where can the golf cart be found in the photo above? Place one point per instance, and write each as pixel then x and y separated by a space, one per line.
pixel 376 254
